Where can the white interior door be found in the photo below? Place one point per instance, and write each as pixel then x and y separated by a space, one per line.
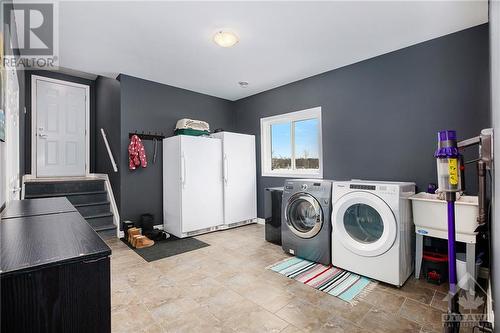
pixel 201 182
pixel 60 132
pixel 240 193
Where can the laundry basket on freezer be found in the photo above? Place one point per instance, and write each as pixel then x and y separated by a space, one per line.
pixel 191 127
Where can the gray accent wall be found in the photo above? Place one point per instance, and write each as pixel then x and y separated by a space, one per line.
pixel 153 107
pixel 380 116
pixel 108 118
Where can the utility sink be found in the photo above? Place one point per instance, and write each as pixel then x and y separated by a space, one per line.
pixel 430 216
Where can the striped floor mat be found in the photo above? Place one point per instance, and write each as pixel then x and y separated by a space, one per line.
pixel 332 280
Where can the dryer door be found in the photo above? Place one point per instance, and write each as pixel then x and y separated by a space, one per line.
pixel 364 224
pixel 303 215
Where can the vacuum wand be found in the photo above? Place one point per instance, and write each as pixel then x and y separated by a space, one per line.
pixel 453 308
pixel 448 167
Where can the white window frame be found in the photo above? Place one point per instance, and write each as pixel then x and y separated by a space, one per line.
pixel 266 141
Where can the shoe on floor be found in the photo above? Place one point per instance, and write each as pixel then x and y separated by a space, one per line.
pixel 133 242
pixel 132 232
pixel 143 242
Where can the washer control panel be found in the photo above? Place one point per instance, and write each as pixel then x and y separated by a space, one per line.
pixel 305 187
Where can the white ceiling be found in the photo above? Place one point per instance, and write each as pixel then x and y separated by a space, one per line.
pixel 281 42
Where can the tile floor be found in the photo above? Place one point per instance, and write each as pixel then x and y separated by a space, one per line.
pixel 226 287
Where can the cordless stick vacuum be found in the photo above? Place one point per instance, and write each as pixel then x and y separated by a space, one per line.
pixel 448 169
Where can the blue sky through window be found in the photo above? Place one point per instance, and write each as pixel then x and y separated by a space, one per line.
pixel 281 146
pixel 306 139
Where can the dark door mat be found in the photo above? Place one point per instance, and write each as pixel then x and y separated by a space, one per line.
pixel 168 247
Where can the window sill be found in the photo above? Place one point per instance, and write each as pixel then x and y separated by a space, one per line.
pixel 292 175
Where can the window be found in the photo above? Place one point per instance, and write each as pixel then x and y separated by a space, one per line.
pixel 291 144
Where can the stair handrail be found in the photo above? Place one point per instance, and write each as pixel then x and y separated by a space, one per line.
pixel 108 148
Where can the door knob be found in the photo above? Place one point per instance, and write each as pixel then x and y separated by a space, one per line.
pixel 42 135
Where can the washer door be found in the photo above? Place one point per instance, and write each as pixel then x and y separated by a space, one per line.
pixel 304 215
pixel 364 224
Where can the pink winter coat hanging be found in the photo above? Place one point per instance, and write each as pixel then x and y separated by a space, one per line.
pixel 136 153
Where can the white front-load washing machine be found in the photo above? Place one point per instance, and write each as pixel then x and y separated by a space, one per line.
pixel 372 229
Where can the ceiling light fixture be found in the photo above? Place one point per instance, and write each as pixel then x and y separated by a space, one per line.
pixel 243 84
pixel 226 39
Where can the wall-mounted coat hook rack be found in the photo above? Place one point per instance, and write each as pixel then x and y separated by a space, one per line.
pixel 148 136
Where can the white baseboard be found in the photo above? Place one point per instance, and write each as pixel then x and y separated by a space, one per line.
pixel 261 221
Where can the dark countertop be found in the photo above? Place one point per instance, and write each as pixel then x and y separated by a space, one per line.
pixel 37 241
pixel 32 207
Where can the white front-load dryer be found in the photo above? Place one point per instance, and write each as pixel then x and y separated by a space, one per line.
pixel 372 229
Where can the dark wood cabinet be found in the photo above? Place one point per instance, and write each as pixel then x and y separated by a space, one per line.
pixel 55 275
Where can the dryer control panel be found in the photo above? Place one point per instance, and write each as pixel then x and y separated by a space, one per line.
pixel 363 187
pixel 379 188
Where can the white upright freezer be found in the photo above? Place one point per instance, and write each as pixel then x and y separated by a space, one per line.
pixel 239 174
pixel 192 185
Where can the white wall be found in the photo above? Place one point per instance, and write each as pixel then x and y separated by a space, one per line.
pixel 9 150
pixel 2 174
pixel 495 111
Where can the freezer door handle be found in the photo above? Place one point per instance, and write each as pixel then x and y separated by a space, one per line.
pixel 226 166
pixel 183 170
